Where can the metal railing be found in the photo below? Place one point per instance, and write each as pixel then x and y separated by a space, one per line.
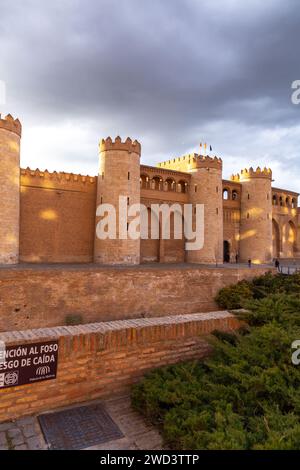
pixel 289 270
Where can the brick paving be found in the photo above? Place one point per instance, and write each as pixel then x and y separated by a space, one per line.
pixel 25 433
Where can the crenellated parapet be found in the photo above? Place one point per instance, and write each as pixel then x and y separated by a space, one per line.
pixel 117 144
pixel 58 176
pixel 59 181
pixel 246 174
pixel 192 161
pixel 10 124
pixel 209 162
pixel 176 162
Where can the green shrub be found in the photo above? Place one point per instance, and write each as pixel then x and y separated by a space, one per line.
pixel 275 284
pixel 237 295
pixel 218 403
pixel 282 308
pixel 233 297
pixel 246 395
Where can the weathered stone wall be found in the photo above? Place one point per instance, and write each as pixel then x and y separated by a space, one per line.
pixel 100 359
pixel 46 296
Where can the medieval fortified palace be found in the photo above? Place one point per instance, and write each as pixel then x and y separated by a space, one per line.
pixel 50 217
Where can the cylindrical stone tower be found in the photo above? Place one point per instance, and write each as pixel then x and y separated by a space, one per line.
pixel 119 175
pixel 10 136
pixel 256 215
pixel 206 189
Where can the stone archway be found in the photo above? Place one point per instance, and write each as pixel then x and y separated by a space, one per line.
pixel 174 247
pixel 275 239
pixel 226 251
pixel 149 246
pixel 290 239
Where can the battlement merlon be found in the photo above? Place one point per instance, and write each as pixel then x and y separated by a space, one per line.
pixel 247 174
pixel 209 162
pixel 191 162
pixel 10 124
pixel 56 176
pixel 117 144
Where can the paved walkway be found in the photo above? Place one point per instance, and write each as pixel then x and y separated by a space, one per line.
pixel 100 267
pixel 26 434
pixel 23 434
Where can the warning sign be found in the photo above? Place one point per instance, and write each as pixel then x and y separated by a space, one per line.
pixel 27 364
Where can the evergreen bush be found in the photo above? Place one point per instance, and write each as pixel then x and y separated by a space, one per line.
pixel 247 394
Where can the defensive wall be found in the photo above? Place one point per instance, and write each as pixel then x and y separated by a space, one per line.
pixel 99 359
pixel 57 217
pixel 36 296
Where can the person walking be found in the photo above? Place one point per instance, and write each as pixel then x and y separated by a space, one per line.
pixel 277 264
pixel 237 258
pixel 249 263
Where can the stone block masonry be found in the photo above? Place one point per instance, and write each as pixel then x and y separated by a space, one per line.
pixel 101 359
pixel 46 296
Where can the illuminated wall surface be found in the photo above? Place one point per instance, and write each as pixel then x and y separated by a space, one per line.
pixel 51 217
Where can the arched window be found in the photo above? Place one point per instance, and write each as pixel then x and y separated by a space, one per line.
pixel 235 195
pixel 144 180
pixel 182 186
pixel 276 238
pixel 275 201
pixel 170 184
pixel 156 183
pixel 281 201
pixel 294 203
pixel 225 194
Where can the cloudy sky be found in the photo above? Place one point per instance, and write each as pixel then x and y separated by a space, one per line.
pixel 170 73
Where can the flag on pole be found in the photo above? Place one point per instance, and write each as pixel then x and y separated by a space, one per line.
pixel 210 148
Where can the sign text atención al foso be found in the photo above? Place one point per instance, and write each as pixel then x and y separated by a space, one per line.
pixel 28 363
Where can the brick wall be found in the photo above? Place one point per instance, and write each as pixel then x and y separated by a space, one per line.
pixel 57 217
pixel 9 200
pixel 101 359
pixel 45 296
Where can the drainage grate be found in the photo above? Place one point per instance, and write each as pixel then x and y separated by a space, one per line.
pixel 78 428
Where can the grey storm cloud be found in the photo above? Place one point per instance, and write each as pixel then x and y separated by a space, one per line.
pixel 168 72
